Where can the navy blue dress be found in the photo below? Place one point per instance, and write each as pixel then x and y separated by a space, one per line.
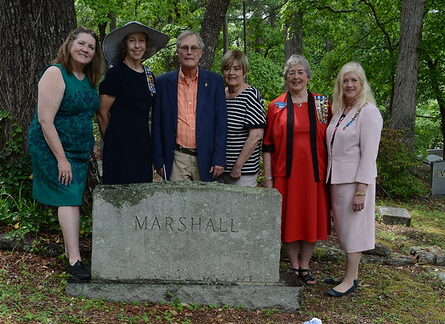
pixel 127 141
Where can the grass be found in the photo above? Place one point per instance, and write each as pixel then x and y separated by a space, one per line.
pixel 427 226
pixel 32 288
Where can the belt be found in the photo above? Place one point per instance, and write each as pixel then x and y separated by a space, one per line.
pixel 189 151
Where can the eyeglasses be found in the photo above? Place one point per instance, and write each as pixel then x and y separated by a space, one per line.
pixel 193 49
pixel 295 73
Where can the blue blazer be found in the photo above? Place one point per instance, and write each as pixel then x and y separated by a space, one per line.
pixel 211 122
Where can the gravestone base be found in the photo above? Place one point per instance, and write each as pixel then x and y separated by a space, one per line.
pixel 284 296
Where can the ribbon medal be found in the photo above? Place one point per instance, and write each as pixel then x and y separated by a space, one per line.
pixel 322 106
pixel 280 105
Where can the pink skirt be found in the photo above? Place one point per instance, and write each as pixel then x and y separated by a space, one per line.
pixel 355 230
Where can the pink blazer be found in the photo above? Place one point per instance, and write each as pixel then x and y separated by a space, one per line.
pixel 352 156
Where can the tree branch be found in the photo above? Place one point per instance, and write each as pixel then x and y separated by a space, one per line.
pixel 335 10
pixel 421 116
pixel 379 24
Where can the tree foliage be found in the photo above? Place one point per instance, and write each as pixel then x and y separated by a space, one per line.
pixel 331 34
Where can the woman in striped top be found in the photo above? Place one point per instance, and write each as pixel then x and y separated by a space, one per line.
pixel 245 122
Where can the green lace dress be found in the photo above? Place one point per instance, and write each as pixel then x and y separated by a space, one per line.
pixel 74 126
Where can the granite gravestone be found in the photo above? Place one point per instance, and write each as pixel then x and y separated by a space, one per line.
pixel 438 178
pixel 205 243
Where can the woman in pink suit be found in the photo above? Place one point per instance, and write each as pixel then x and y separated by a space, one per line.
pixel 353 137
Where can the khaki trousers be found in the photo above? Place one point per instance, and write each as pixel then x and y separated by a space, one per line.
pixel 185 168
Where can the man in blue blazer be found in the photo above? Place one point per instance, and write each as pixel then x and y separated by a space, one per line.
pixel 189 121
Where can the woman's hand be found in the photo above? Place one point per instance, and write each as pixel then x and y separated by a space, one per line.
pixel 235 173
pixel 65 172
pixel 268 183
pixel 268 180
pixel 358 203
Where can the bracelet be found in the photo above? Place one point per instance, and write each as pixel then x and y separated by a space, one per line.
pixel 268 178
pixel 360 193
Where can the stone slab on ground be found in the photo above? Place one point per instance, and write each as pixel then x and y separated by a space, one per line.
pixel 379 249
pixel 400 260
pixel 186 231
pixel 394 215
pixel 429 255
pixel 284 296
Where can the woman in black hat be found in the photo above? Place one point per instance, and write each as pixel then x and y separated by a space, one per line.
pixel 126 95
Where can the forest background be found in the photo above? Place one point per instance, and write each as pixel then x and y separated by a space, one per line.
pixel 399 43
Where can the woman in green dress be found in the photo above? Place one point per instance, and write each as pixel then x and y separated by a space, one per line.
pixel 60 136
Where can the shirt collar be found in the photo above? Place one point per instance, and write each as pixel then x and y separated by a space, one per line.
pixel 183 78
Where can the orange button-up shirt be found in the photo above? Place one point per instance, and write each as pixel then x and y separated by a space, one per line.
pixel 187 98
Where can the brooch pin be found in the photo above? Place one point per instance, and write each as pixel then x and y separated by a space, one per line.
pixel 150 80
pixel 280 104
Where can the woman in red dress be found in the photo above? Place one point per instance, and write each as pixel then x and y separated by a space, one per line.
pixel 295 159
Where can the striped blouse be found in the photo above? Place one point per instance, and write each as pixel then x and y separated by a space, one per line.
pixel 244 112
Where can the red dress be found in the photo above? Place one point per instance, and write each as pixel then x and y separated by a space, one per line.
pixel 305 203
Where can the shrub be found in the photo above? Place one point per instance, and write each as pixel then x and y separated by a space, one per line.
pixel 18 210
pixel 395 164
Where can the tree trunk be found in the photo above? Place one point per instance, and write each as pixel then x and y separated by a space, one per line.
pixel 102 31
pixel 32 31
pixel 403 111
pixel 433 72
pixel 244 28
pixel 294 35
pixel 210 28
pixel 225 34
pixel 112 21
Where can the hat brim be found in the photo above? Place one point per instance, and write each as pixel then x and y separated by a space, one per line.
pixel 110 45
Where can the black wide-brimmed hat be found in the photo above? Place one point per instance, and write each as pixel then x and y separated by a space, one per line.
pixel 156 40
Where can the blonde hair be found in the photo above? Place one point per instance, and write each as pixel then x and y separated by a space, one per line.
pixel 235 55
pixel 365 96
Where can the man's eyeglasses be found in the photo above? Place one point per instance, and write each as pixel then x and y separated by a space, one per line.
pixel 193 49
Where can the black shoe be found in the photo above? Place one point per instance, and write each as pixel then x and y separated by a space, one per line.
pixel 335 293
pixel 307 278
pixel 78 271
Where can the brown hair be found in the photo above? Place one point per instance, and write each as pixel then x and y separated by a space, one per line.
pixel 92 70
